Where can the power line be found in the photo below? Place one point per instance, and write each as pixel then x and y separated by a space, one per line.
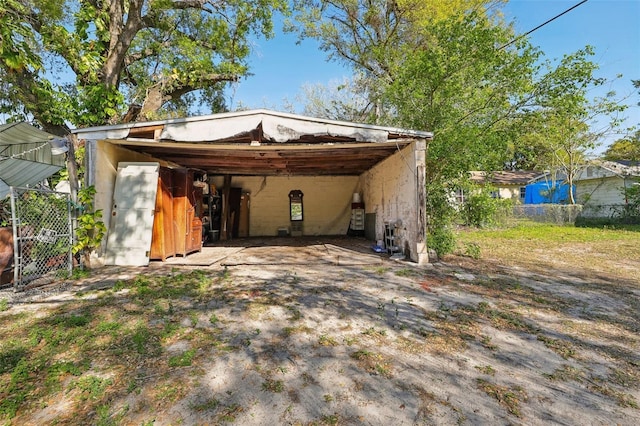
pixel 543 24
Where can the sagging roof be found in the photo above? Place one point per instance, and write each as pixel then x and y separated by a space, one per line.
pixel 516 177
pixel 260 142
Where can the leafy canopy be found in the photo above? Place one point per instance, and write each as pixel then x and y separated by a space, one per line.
pixel 87 62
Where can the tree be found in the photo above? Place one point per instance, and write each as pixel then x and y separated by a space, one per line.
pixel 374 37
pixel 147 57
pixel 344 100
pixel 561 122
pixel 624 149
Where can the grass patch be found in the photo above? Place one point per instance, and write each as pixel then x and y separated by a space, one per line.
pixel 562 246
pixel 91 387
pixel 185 359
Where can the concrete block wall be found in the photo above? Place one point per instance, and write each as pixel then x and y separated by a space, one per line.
pixel 390 191
pixel 326 202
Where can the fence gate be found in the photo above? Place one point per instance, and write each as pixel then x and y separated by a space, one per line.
pixel 42 236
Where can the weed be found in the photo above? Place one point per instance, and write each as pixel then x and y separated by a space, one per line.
pixel 17 390
pixel 230 413
pixel 73 320
pixel 60 369
pixel 325 340
pixel 410 345
pixel 193 317
pixel 91 387
pixel 561 347
pixel 107 327
pixel 406 272
pixel 213 319
pixel 80 273
pixel 107 419
pixel 381 270
pixel 170 392
pixel 622 399
pixel 510 398
pixel 10 356
pixel 472 250
pixel 295 313
pixel 225 275
pixel 330 419
pixel 307 379
pixel 371 331
pixel 486 369
pixel 349 341
pixel 271 385
pixel 625 377
pixel 207 405
pixel 565 373
pixel 486 342
pixel 328 397
pixel 183 360
pixel 288 331
pixel 4 305
pixel 373 363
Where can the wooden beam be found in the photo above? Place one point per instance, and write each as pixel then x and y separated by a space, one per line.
pixel 224 219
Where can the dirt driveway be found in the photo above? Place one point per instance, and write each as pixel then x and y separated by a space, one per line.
pixel 328 332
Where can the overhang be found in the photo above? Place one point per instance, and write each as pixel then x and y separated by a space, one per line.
pixel 260 142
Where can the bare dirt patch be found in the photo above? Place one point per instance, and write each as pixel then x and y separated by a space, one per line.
pixel 313 340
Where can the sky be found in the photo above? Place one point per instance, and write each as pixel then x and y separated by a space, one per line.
pixel 281 68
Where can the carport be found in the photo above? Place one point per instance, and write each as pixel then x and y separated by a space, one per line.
pixel 273 161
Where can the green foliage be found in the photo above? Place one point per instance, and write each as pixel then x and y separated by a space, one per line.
pixel 442 240
pixel 624 149
pixel 481 208
pixel 183 360
pixel 121 53
pixel 91 387
pixel 630 211
pixel 90 229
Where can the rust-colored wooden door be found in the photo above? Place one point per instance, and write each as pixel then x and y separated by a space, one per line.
pixel 163 241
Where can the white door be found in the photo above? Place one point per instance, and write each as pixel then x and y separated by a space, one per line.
pixel 131 225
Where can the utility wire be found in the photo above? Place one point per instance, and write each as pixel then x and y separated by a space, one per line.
pixel 543 24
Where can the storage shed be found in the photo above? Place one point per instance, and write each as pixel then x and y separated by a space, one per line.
pixel 259 173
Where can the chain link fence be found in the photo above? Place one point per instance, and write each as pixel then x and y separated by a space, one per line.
pixel 41 238
pixel 549 213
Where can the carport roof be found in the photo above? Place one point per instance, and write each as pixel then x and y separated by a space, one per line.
pixel 260 142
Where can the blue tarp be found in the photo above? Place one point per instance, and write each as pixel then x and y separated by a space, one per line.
pixel 547 193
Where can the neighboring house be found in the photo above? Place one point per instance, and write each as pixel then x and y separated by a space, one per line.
pixel 288 174
pixel 508 184
pixel 600 186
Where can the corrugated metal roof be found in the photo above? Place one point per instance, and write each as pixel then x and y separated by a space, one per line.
pixel 23 141
pixel 16 172
pixel 25 156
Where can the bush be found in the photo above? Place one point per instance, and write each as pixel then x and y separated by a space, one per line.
pixel 442 239
pixel 482 209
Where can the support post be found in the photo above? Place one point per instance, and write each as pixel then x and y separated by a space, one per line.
pixel 422 253
pixel 224 219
